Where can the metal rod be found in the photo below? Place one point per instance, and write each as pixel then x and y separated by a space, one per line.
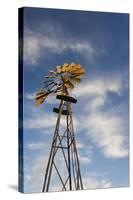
pixel 59 175
pixel 51 156
pixel 57 127
pixel 69 162
pixel 75 149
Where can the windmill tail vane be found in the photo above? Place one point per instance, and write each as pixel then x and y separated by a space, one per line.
pixel 59 82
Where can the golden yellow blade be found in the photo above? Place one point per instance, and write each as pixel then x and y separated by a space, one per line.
pixel 78 66
pixel 52 72
pixel 69 84
pixel 75 68
pixel 78 76
pixel 58 68
pixel 64 68
pixel 65 64
pixel 65 79
pixel 70 67
pixel 72 64
pixel 40 98
pixel 78 70
pixel 75 80
pixel 40 93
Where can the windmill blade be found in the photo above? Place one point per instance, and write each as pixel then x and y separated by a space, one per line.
pixel 76 67
pixel 48 81
pixel 67 67
pixel 69 84
pixel 75 80
pixel 65 78
pixel 70 67
pixel 77 76
pixel 58 89
pixel 50 89
pixel 77 73
pixel 81 70
pixel 40 98
pixel 72 64
pixel 52 72
pixel 58 68
pixel 51 83
pixel 60 80
pixel 51 76
pixel 64 68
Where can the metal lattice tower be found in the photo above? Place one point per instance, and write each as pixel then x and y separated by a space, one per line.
pixel 63 163
pixel 64 142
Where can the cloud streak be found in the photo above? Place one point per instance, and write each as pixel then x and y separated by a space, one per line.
pixel 100 86
pixel 93 183
pixel 37 45
pixel 36 146
pixel 108 133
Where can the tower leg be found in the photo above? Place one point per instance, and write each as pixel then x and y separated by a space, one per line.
pixel 64 146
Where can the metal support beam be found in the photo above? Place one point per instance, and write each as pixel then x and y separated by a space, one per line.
pixel 64 148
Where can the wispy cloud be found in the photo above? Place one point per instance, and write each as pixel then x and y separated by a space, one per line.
pixel 37 45
pixel 99 86
pixel 35 175
pixel 85 160
pixel 108 133
pixel 93 183
pixel 30 96
pixel 36 146
pixel 40 122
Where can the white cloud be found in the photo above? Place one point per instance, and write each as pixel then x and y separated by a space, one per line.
pixel 36 173
pixel 37 45
pixel 85 160
pixel 108 133
pixel 36 146
pixel 30 96
pixel 27 177
pixel 97 103
pixel 79 145
pixel 31 48
pixel 93 183
pixel 98 87
pixel 40 122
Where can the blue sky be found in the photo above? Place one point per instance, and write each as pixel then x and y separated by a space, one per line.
pixel 99 42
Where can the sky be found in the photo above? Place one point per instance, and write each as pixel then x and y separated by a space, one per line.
pixel 99 41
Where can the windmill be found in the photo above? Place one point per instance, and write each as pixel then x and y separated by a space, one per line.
pixel 63 158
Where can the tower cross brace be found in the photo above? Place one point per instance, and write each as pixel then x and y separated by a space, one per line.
pixel 63 147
